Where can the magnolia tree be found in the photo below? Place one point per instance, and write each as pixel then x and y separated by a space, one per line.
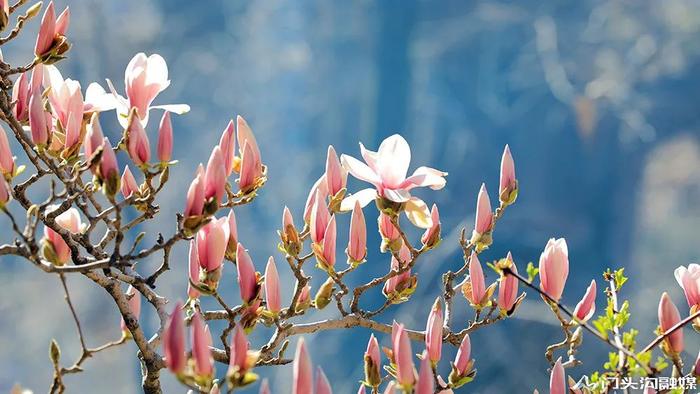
pixel 78 228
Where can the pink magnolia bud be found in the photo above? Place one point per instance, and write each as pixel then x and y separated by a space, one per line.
pixel 302 375
pixel 426 383
pixel 387 229
pixel 264 387
pixel 201 340
pixel 484 215
pixel 245 135
pixel 390 388
pixel 319 218
pixel 7 161
pixel 47 31
pixel 669 317
pixel 586 307
pixel 193 277
pixel 322 384
pixel 373 363
pixel 62 22
pixel 336 176
pixel 403 357
pixel 557 380
pixel 463 358
pixel 165 138
pixel 212 240
pixel 129 185
pixel 108 170
pixel 477 292
pixel 134 302
pixel 508 288
pixel 361 390
pixel 272 286
pixel 508 187
pixel 329 241
pixel 39 120
pixel 433 332
pixel 554 267
pixel 250 172
pixel 247 281
pixel 689 280
pixel 431 236
pixel 93 136
pixel 228 147
pixel 304 299
pixel 20 96
pixel 215 176
pixel 319 187
pixel 403 281
pixel 174 341
pixel 138 147
pixel 195 195
pixel 357 243
pixel 239 351
pixel 5 193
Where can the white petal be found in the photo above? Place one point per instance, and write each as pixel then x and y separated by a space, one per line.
pixel 369 156
pixel 418 213
pixel 364 197
pixel 157 71
pixel 359 170
pixel 174 108
pixel 397 195
pixel 99 100
pixel 426 177
pixel 394 157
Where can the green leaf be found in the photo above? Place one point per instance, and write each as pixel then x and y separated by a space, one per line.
pixel 532 271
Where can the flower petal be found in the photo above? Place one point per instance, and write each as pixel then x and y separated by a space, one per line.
pixel 369 156
pixel 397 195
pixel 394 157
pixel 425 177
pixel 418 213
pixel 174 108
pixel 363 197
pixel 360 170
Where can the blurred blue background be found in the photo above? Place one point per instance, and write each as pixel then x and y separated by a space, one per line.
pixel 597 99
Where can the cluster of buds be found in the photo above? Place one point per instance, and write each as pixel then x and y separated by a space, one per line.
pixel 206 192
pixel 199 367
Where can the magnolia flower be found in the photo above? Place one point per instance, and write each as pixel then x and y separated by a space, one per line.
pixel 247 278
pixel 669 317
pixel 689 280
pixel 302 375
pixel 108 170
pixel 463 361
pixel 403 357
pixel 165 138
pixel 67 105
pixel 144 78
pixel 201 340
pixel 56 250
pixel 431 236
pixel 272 287
pixel 137 144
pixel 134 301
pixel 586 307
pixel 195 195
pixel 212 240
pixel 94 137
pixel 508 288
pixel 21 96
pixel 554 268
pixel 357 242
pixel 386 170
pixel 426 384
pixel 7 161
pixel 251 163
pixel 336 175
pixel 557 380
pixel 51 42
pixel 483 220
pixel 193 265
pixel 228 147
pixel 174 341
pixel 508 187
pixel 320 187
pixel 128 183
pixel 373 363
pixel 322 384
pixel 433 330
